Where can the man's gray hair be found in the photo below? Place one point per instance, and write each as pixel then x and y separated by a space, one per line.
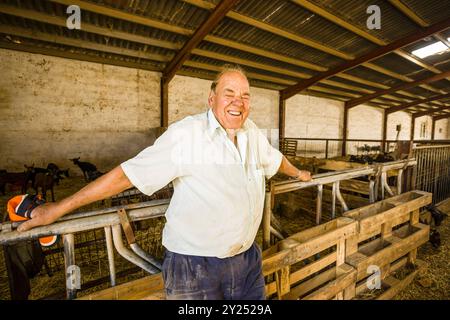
pixel 224 69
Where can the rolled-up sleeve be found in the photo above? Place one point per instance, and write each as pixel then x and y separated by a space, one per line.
pixel 270 157
pixel 155 166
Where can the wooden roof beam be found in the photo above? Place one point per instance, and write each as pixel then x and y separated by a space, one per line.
pixel 403 86
pixel 421 22
pixel 444 116
pixel 409 13
pixel 416 102
pixel 275 30
pixel 351 27
pixel 61 21
pixel 429 112
pixel 289 92
pixel 211 22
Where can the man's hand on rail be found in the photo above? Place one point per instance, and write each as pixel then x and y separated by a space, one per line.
pixel 304 175
pixel 41 216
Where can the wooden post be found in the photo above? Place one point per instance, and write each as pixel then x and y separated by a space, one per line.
pixel 400 181
pixel 414 219
pixel 383 142
pixel 164 103
pixel 72 271
pixel 281 119
pixel 333 201
pixel 413 122
pixel 344 131
pixel 433 128
pixel 266 221
pixel 319 203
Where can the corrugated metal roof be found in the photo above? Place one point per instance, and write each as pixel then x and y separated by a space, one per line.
pixel 430 11
pixel 394 24
pixel 173 12
pixel 289 16
pixel 252 57
pixel 237 31
pixel 282 14
pixel 368 74
pixel 398 64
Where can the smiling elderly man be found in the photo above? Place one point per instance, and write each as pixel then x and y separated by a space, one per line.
pixel 218 161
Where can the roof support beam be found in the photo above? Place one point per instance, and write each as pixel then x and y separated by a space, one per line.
pixel 281 120
pixel 119 14
pixel 444 116
pixel 433 127
pixel 75 56
pixel 403 86
pixel 52 38
pixel 409 13
pixel 289 92
pixel 107 32
pixel 429 112
pixel 416 102
pixel 213 20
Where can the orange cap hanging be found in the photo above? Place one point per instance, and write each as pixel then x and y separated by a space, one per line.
pixel 19 209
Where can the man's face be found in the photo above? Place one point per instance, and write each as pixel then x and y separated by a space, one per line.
pixel 231 100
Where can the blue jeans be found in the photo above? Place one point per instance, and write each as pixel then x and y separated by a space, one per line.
pixel 208 278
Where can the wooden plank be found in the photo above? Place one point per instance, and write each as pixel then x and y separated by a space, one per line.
pixel 347 276
pixel 136 289
pixel 397 249
pixel 305 272
pixel 399 285
pixel 282 281
pixel 307 249
pixel 340 252
pixel 310 284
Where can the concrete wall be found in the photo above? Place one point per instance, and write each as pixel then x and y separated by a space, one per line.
pixel 448 129
pixel 399 118
pixel 422 128
pixel 442 126
pixel 313 117
pixel 53 109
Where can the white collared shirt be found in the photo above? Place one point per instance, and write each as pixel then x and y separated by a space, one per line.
pixel 219 190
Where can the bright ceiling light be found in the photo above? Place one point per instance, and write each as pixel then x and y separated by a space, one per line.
pixel 430 49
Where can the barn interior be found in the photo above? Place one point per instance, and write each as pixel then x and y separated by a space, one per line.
pixel 356 92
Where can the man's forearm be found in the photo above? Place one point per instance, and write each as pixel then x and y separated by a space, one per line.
pixel 106 186
pixel 109 184
pixel 289 169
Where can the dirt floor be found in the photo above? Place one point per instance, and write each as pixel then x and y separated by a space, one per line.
pixel 433 284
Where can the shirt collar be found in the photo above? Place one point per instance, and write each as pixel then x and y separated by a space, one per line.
pixel 213 124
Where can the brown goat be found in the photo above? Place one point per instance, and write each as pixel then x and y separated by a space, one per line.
pixel 45 182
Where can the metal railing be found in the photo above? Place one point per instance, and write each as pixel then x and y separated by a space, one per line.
pixel 106 219
pixel 433 171
pixel 377 185
pixel 330 148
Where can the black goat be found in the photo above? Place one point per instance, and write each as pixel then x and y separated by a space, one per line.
pixel 86 167
pixel 437 215
pixel 435 238
pixel 57 173
pixel 44 181
pixel 19 179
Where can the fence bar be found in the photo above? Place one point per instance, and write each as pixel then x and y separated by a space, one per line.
pixel 110 250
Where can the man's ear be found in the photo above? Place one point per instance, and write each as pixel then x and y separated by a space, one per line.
pixel 211 98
